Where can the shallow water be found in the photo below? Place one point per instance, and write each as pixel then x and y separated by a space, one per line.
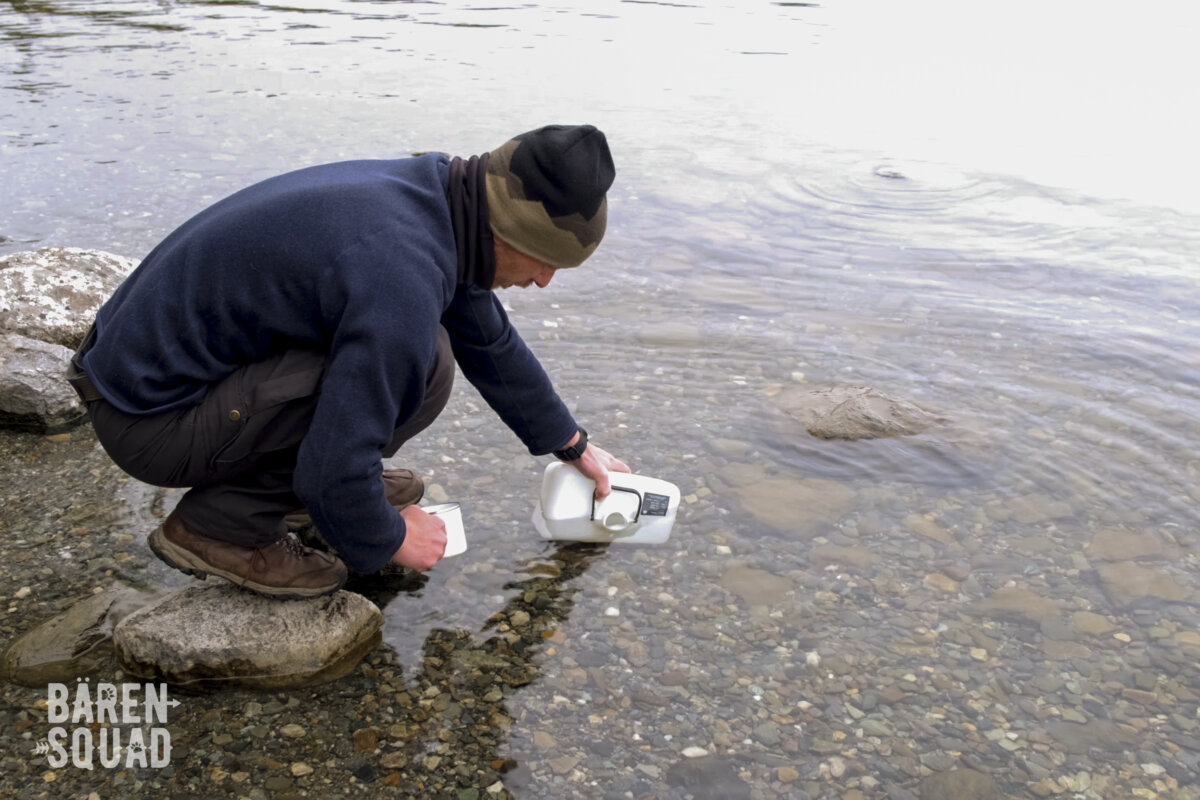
pixel 790 214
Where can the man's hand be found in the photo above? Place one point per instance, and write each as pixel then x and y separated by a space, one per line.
pixel 425 541
pixel 596 463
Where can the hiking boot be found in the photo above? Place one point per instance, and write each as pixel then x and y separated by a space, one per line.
pixel 284 568
pixel 401 486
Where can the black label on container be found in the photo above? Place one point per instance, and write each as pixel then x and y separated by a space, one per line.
pixel 655 505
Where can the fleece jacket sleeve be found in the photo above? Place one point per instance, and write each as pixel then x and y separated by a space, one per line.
pixel 497 362
pixel 382 350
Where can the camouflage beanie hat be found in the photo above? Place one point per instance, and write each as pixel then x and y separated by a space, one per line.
pixel 545 192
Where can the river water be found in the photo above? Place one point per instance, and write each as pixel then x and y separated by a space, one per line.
pixel 990 213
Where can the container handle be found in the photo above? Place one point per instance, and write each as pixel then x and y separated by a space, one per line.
pixel 636 515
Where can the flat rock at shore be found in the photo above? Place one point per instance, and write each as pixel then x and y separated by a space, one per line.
pixel 34 394
pixel 53 294
pixel 76 642
pixel 214 634
pixel 48 301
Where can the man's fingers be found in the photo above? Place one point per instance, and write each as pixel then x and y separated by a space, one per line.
pixel 444 540
pixel 603 487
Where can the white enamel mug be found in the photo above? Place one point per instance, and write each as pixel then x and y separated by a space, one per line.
pixel 451 514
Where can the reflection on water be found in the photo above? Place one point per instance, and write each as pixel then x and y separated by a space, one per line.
pixel 1011 592
pixel 456 700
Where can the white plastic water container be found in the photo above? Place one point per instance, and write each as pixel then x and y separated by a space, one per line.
pixel 639 510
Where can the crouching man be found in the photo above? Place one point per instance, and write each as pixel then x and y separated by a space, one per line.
pixel 271 351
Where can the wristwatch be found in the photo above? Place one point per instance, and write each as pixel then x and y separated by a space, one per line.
pixel 575 451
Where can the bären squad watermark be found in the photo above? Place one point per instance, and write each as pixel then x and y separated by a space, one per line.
pixel 110 725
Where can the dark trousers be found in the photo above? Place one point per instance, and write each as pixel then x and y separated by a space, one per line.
pixel 237 449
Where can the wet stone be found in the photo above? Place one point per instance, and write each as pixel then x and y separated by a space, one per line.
pixel 33 394
pixel 1092 624
pixel 1016 603
pixel 959 784
pixel 278 783
pixel 1115 545
pixel 1140 696
pixel 938 762
pixel 797 506
pixel 1129 585
pixel 941 583
pixel 874 727
pixel 214 634
pixel 855 412
pixel 756 587
pixel 292 731
pixel 366 739
pixel 709 778
pixel 1100 734
pixel 1064 651
pixel 1048 683
pixel 928 528
pixel 74 643
pixel 53 294
pixel 768 734
pixel 1057 628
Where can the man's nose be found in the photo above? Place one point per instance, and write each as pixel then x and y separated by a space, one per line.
pixel 544 277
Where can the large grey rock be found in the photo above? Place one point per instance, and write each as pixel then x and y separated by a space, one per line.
pixel 76 642
pixel 34 393
pixel 53 294
pixel 855 412
pixel 214 634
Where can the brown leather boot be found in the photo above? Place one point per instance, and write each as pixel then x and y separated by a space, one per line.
pixel 284 569
pixel 401 486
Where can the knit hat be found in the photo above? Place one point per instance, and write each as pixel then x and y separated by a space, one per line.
pixel 545 192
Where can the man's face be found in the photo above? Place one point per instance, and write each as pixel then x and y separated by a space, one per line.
pixel 514 268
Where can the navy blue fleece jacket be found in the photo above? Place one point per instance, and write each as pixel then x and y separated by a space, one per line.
pixel 356 259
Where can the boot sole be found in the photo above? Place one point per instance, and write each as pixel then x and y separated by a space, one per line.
pixel 189 563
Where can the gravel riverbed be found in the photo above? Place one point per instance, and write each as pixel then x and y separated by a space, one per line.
pixel 905 655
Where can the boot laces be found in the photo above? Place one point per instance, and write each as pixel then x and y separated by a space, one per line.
pixel 290 545
pixel 293 547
